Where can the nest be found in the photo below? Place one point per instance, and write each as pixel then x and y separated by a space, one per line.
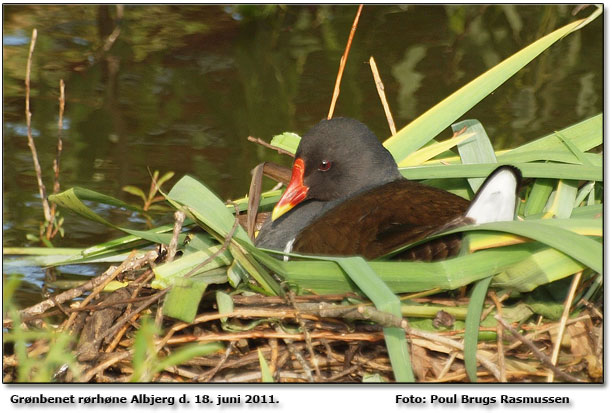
pixel 306 338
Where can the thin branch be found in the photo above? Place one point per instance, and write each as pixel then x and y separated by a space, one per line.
pixel 254 195
pixel 179 217
pixel 41 186
pixel 60 128
pixel 541 356
pixel 56 162
pixel 291 297
pixel 500 341
pixel 221 249
pixel 111 272
pixel 563 322
pixel 332 106
pixel 261 142
pixel 98 289
pixel 380 87
pixel 208 376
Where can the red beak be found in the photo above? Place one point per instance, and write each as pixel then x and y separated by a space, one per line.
pixel 295 193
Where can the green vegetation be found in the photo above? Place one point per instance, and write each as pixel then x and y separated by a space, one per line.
pixel 558 234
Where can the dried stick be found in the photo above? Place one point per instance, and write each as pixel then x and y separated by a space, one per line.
pixel 82 289
pixel 500 341
pixel 41 186
pixel 179 217
pixel 257 299
pixel 254 195
pixel 104 365
pixel 380 87
pixel 447 366
pixel 267 145
pixel 56 162
pixel 332 106
pixel 141 281
pixel 531 336
pixel 387 320
pixel 121 321
pixel 297 354
pixel 267 334
pixel 221 249
pixel 563 322
pixel 300 320
pixel 97 290
pixel 209 375
pixel 541 356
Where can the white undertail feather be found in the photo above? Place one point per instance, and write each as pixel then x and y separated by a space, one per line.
pixel 496 200
pixel 288 248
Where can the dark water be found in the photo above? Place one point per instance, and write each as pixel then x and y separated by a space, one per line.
pixel 182 87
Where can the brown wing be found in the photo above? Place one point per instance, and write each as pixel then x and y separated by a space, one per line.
pixel 381 220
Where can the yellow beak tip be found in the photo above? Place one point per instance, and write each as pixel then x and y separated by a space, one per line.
pixel 279 211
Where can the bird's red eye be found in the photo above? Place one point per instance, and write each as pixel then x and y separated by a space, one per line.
pixel 324 166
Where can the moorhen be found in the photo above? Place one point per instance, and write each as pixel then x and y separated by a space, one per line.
pixel 347 197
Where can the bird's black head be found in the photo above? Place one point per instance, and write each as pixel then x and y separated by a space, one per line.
pixel 336 159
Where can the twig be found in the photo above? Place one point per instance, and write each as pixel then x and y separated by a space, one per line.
pixel 487 311
pixel 254 196
pixel 297 354
pixel 345 372
pixel 541 356
pixel 300 320
pixel 128 317
pixel 451 359
pixel 104 365
pixel 332 106
pixel 500 341
pixel 257 299
pixel 267 145
pixel 221 249
pixel 387 319
pixel 41 186
pixel 256 376
pixel 273 355
pixel 563 322
pixel 209 375
pixel 267 334
pixel 380 87
pixel 531 336
pixel 98 289
pixel 179 217
pixel 82 289
pixel 56 162
pixel 140 281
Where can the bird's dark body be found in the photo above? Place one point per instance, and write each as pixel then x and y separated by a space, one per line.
pixel 347 197
pixel 384 219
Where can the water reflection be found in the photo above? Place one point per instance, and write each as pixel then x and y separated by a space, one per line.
pixel 181 87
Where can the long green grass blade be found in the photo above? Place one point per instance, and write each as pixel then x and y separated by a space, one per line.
pixel 426 153
pixel 188 352
pixel 383 298
pixel 561 201
pixel 266 373
pixel 472 325
pixel 529 170
pixel 183 299
pixel 477 149
pixel 540 268
pixel 211 213
pixel 167 273
pixel 585 135
pixel 547 231
pixel 538 196
pixel 206 206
